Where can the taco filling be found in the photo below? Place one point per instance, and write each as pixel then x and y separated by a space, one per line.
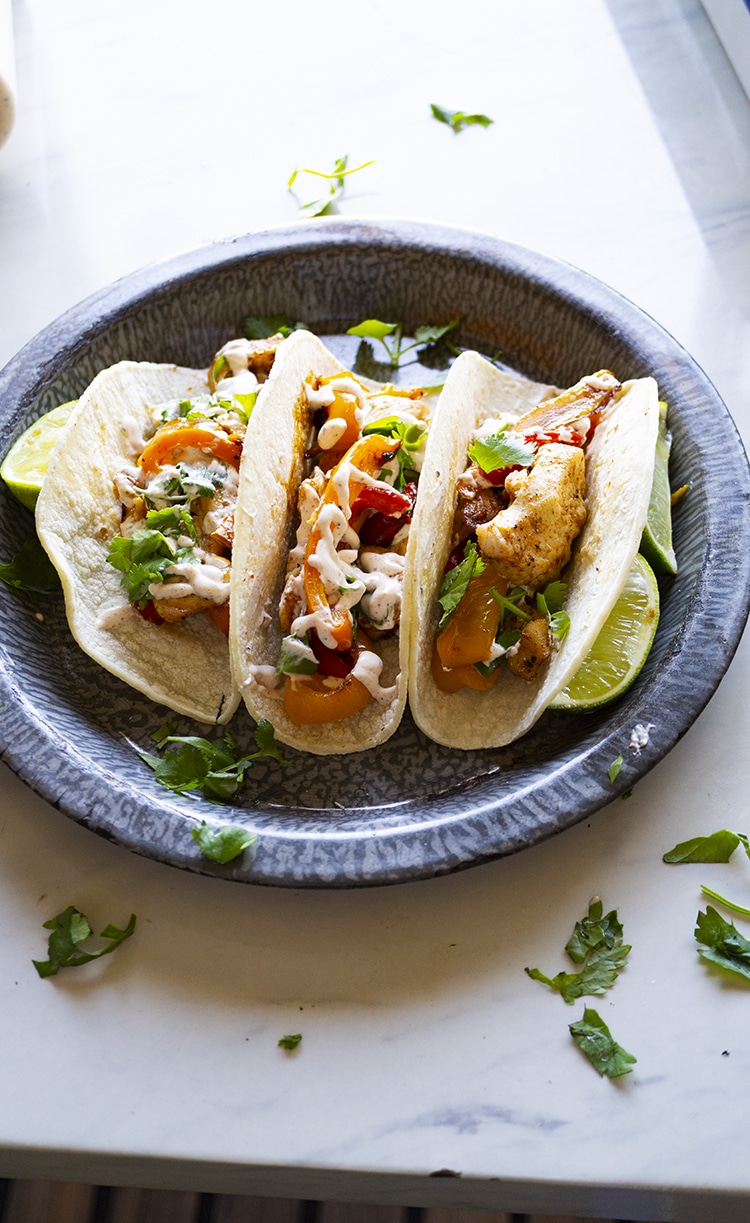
pixel 520 506
pixel 343 591
pixel 178 499
pixel 531 513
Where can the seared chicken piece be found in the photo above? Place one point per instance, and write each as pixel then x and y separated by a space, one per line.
pixel 255 355
pixel 531 539
pixel 534 648
pixel 173 610
pixel 481 506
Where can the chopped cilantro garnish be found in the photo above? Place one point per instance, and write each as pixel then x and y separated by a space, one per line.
pixel 456 582
pixel 501 450
pixel 597 944
pixel 222 844
pixel 261 327
pixel 595 1040
pixel 718 847
pixel 293 660
pixel 30 570
pixel 70 930
pixel 722 943
pixel 212 767
pixel 613 772
pixel 459 119
pixel 412 437
pixel 144 556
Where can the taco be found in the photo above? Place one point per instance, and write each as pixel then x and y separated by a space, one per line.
pixel 318 639
pixel 136 513
pixel 526 528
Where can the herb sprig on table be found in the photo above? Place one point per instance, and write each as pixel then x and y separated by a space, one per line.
pixel 70 931
pixel 335 181
pixel 459 119
pixel 720 942
pixel 596 944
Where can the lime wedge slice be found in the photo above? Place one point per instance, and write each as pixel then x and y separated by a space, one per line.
pixel 656 544
pixel 621 648
pixel 25 464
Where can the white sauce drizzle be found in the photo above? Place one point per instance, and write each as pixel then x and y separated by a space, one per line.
pixel 367 670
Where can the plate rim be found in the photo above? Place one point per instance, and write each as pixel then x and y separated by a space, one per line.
pixel 89 318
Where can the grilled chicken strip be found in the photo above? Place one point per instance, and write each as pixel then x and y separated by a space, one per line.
pixel 531 540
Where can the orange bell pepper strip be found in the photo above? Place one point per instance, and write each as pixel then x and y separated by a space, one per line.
pixel 469 634
pixel 312 700
pixel 368 455
pixel 177 436
pixel 460 677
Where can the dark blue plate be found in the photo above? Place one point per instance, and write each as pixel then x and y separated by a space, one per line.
pixel 408 809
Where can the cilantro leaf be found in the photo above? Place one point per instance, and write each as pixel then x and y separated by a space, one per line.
pixel 596 943
pixel 459 119
pixel 70 930
pixel 222 844
pixel 424 336
pixel 555 594
pixel 593 931
pixel 613 772
pixel 595 1040
pixel 212 767
pixel 456 582
pixel 263 326
pixel 501 450
pixel 372 329
pixel 294 660
pixel 30 570
pixel 413 438
pixel 723 944
pixel 290 1042
pixel 718 847
pixel 598 974
pixel 144 556
pixel 336 180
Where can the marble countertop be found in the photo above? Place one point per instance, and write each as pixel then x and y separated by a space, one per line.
pixel 621 143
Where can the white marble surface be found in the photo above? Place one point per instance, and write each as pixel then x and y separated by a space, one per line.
pixel 621 144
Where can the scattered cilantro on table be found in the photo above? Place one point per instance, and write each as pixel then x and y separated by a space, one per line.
pixel 336 181
pixel 290 1042
pixel 596 944
pixel 595 1040
pixel 722 944
pixel 717 847
pixel 70 930
pixel 459 119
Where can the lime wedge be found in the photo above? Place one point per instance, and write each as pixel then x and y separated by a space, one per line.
pixel 621 648
pixel 656 544
pixel 25 464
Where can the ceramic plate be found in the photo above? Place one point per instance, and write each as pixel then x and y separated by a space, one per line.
pixel 408 809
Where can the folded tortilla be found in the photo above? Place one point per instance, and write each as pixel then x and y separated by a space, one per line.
pixel 184 666
pixel 271 471
pixel 619 473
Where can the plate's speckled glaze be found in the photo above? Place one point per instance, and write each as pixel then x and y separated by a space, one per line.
pixel 408 809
